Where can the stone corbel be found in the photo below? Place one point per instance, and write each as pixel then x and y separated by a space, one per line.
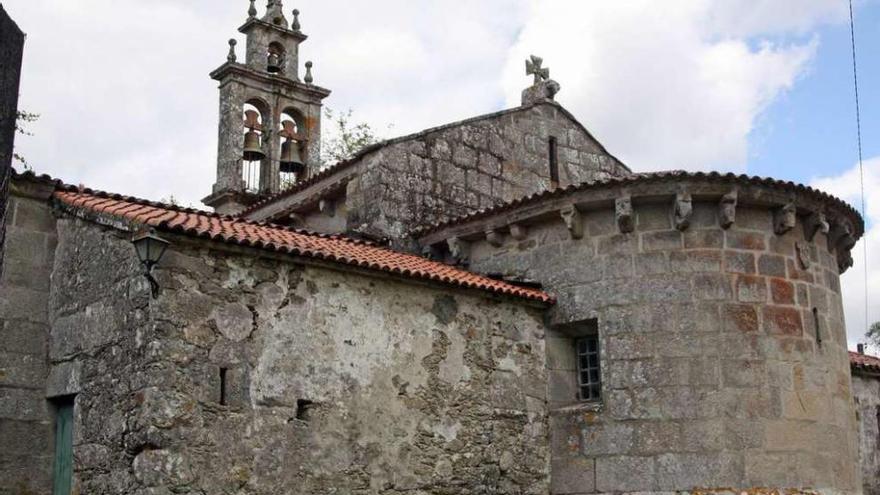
pixel 518 231
pixel 840 236
pixel 815 223
pixel 727 213
pixel 459 249
pixel 494 237
pixel 844 261
pixel 623 211
pixel 784 218
pixel 572 218
pixel 327 206
pixel 842 240
pixel 683 210
pixel 296 220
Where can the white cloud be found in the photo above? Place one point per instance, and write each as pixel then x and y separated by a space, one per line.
pixel 122 91
pixel 847 186
pixel 744 18
pixel 126 103
pixel 675 84
pixel 412 64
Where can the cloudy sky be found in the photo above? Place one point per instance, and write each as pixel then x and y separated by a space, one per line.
pixel 756 86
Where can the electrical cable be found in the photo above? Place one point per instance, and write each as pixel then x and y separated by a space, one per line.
pixel 852 32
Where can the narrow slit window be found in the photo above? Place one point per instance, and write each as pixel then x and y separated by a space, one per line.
pixel 553 158
pixel 588 375
pixel 816 326
pixel 223 386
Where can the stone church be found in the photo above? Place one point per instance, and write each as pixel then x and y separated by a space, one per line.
pixel 492 306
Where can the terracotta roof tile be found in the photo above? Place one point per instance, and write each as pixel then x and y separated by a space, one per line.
pixel 283 239
pixel 864 361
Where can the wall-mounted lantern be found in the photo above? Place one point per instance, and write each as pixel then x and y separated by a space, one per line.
pixel 150 249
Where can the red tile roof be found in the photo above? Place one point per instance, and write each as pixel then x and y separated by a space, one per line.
pixel 277 238
pixel 864 362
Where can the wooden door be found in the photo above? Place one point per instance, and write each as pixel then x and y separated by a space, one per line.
pixel 62 470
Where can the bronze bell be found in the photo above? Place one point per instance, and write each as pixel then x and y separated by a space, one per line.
pixel 252 150
pixel 291 160
pixel 274 65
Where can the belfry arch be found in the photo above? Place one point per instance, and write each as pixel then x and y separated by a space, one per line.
pixel 269 132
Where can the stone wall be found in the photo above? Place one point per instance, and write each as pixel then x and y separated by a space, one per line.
pixel 252 375
pixel 25 418
pixel 11 44
pixel 713 375
pixel 103 349
pixel 445 172
pixel 866 391
pixel 461 168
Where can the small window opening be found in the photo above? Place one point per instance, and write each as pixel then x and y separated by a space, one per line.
pixel 223 372
pixel 275 58
pixel 816 326
pixel 554 161
pixel 253 152
pixel 291 165
pixel 588 377
pixel 303 407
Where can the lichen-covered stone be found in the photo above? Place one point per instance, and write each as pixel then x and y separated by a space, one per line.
pixel 866 391
pixel 244 367
pixel 459 168
pixel 712 372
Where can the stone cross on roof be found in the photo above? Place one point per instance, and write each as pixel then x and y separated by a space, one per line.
pixel 543 88
pixel 533 67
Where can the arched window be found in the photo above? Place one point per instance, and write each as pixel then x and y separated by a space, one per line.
pixel 292 159
pixel 253 151
pixel 275 58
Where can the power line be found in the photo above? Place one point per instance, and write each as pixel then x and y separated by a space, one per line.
pixel 852 33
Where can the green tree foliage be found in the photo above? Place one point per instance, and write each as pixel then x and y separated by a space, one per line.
pixel 21 119
pixel 873 336
pixel 345 137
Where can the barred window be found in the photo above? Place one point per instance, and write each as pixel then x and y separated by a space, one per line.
pixel 573 370
pixel 588 377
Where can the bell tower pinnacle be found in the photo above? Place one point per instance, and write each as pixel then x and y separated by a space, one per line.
pixel 270 119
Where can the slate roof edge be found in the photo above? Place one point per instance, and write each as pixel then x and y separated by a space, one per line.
pixel 332 169
pixel 643 178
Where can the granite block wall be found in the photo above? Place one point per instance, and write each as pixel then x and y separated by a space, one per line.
pixel 461 168
pixel 102 351
pixel 866 391
pixel 25 416
pixel 716 369
pixel 250 375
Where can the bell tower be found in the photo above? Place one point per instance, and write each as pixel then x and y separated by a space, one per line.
pixel 270 119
